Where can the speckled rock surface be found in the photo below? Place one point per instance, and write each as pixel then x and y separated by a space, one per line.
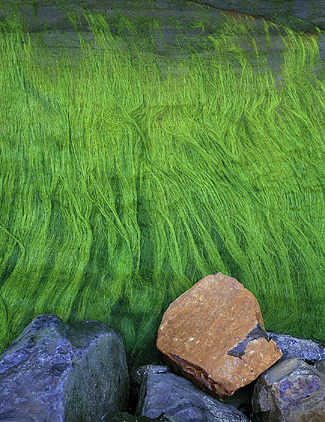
pixel 293 347
pixel 214 333
pixel 291 391
pixel 57 372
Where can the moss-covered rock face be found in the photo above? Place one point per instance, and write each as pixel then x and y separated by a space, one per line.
pixel 127 175
pixel 295 14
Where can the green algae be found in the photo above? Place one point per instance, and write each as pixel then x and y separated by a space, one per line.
pixel 123 182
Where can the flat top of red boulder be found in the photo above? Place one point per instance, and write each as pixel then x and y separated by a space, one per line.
pixel 215 305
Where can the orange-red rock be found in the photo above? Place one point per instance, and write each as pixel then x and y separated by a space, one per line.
pixel 214 333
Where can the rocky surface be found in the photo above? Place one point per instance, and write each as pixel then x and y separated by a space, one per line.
pixel 165 393
pixel 291 391
pixel 77 372
pixel 293 347
pixel 117 416
pixel 58 372
pixel 214 333
pixel 299 15
pixel 178 19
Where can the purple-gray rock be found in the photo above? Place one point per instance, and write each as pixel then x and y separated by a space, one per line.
pixel 57 372
pixel 126 417
pixel 293 347
pixel 163 393
pixel 291 391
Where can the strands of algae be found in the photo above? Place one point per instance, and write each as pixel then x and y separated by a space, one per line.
pixel 121 185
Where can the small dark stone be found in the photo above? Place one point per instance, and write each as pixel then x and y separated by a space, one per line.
pixel 257 332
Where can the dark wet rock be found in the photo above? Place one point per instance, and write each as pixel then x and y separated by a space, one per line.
pixel 242 399
pixel 77 372
pixel 256 333
pixel 63 372
pixel 164 393
pixel 291 391
pixel 126 417
pixel 293 347
pixel 295 14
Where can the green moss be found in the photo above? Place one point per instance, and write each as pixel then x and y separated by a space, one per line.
pixel 124 180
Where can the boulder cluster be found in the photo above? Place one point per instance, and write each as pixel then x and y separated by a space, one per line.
pixel 221 366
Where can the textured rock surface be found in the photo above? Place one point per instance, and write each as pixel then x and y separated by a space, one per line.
pixel 214 334
pixel 291 391
pixel 126 417
pixel 293 347
pixel 57 372
pixel 163 393
pixel 297 14
pixel 169 12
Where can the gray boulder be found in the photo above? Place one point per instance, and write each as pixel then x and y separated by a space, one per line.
pixel 57 372
pixel 293 347
pixel 163 393
pixel 291 391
